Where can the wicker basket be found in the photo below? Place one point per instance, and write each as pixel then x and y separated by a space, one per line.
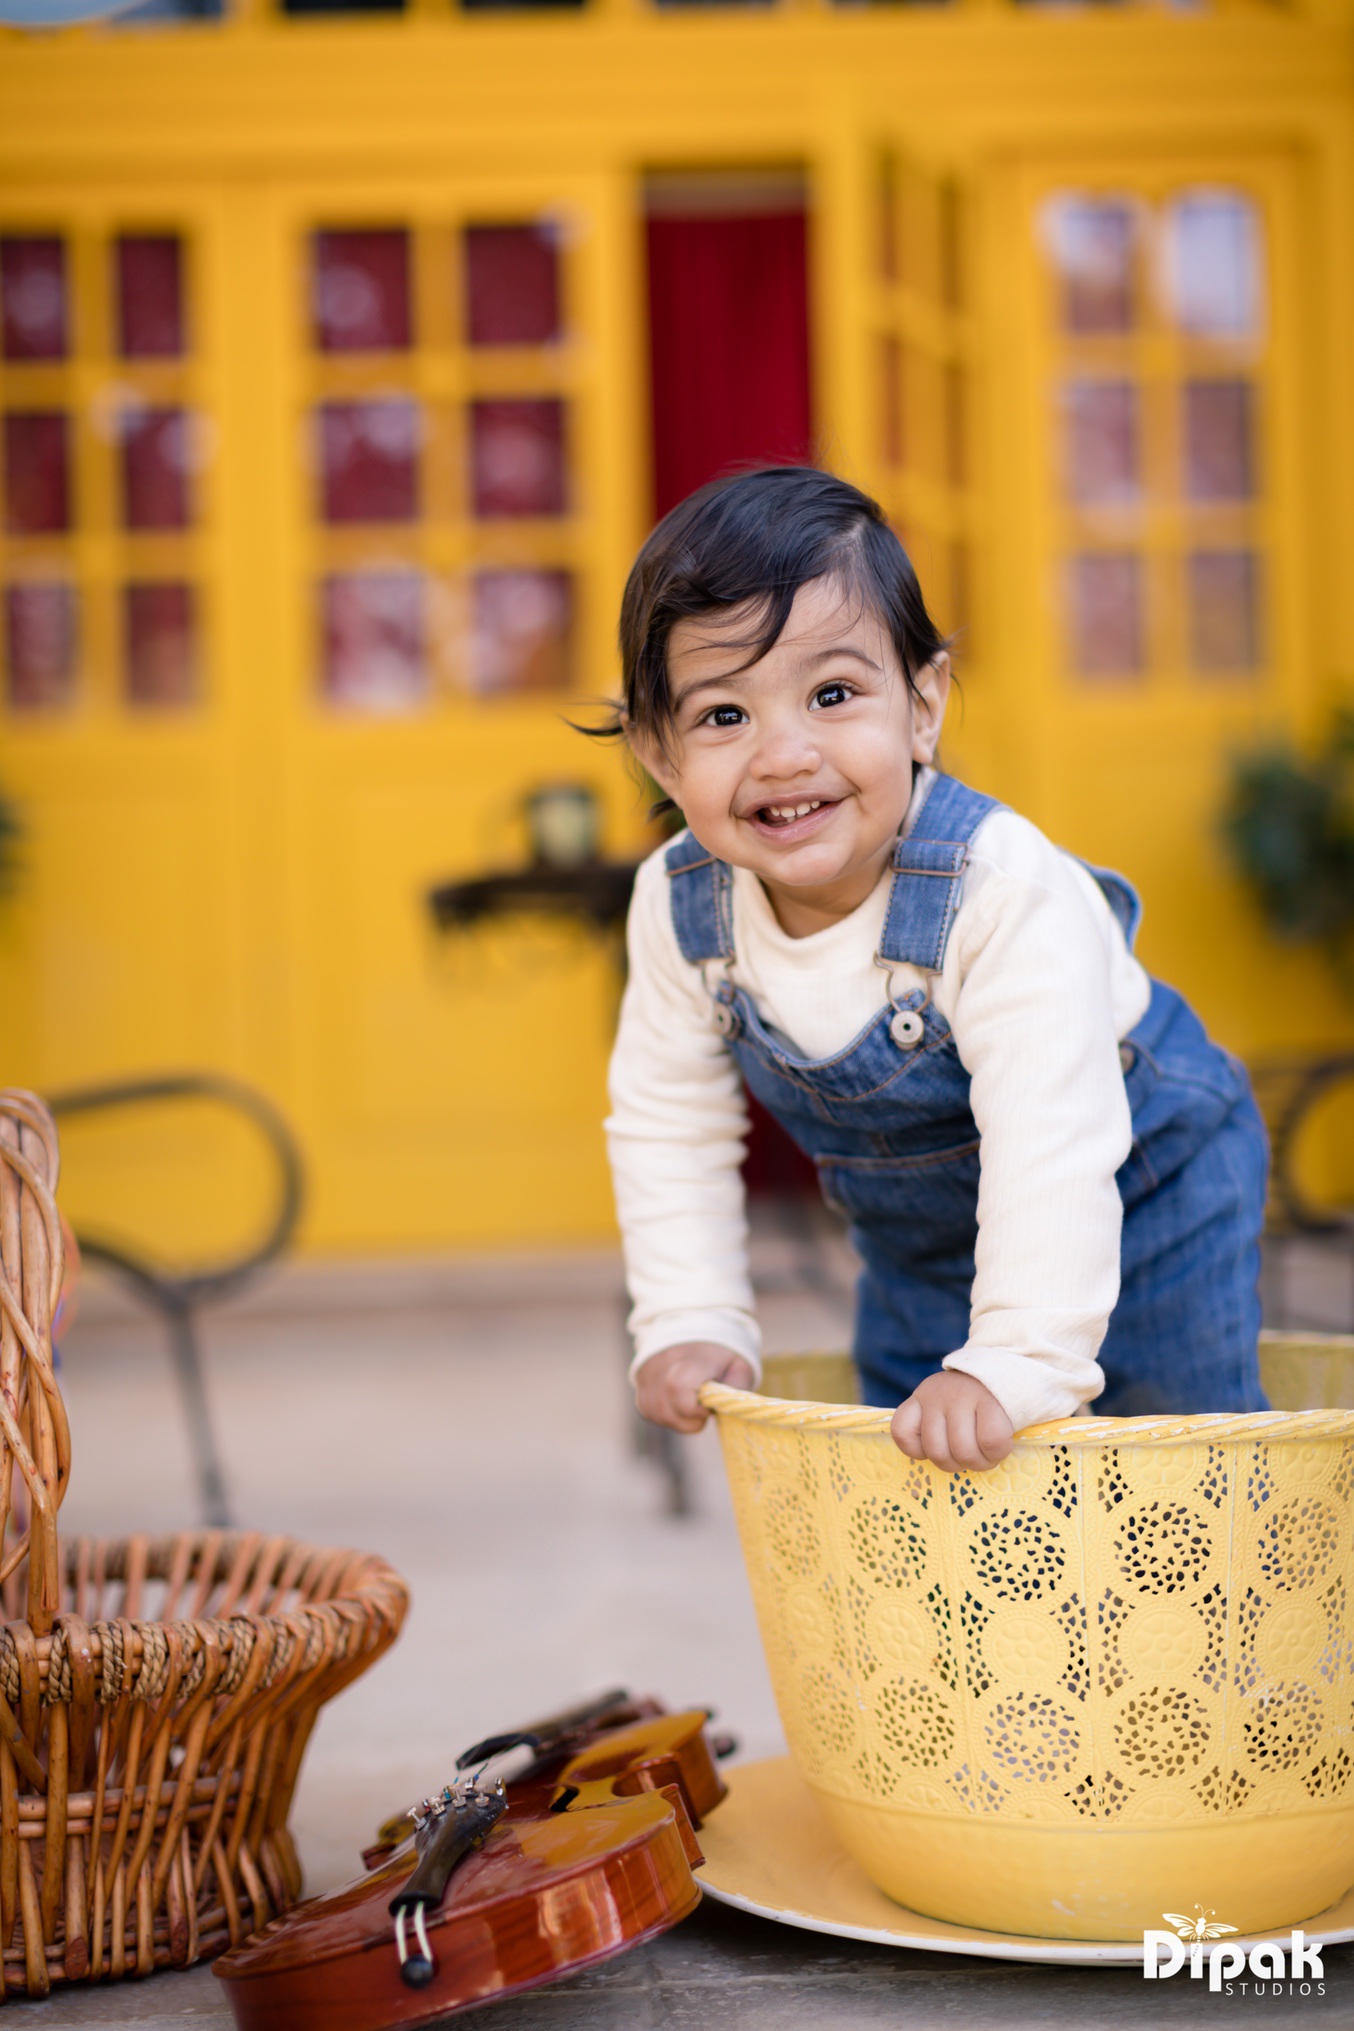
pixel 157 1697
pixel 1108 1680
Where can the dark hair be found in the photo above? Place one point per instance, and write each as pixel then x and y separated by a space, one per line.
pixel 752 541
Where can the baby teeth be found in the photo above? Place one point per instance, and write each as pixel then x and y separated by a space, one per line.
pixel 794 810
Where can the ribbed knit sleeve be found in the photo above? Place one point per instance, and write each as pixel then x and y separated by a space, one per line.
pixel 676 1135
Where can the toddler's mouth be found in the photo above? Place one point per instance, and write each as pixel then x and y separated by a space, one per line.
pixel 795 816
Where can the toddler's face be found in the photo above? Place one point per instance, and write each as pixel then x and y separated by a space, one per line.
pixel 798 766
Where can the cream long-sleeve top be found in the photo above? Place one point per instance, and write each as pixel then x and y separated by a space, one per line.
pixel 1038 987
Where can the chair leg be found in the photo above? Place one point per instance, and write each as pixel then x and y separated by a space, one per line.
pixel 211 1483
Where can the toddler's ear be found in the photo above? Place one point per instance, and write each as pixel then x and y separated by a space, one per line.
pixel 651 758
pixel 930 696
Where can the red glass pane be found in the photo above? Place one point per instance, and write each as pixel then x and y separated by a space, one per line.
pixel 150 296
pixel 1102 442
pixel 512 285
pixel 33 314
pixel 1219 452
pixel 155 447
pixel 1093 243
pixel 374 640
pixel 369 461
pixel 40 645
pixel 1224 621
pixel 37 472
pixel 1105 590
pixel 361 291
pixel 523 630
pixel 160 639
pixel 517 458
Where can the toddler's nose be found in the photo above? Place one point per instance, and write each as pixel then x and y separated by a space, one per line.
pixel 786 758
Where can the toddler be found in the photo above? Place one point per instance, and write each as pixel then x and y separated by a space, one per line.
pixel 1054 1179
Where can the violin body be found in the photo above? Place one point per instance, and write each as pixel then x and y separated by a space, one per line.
pixel 584 1861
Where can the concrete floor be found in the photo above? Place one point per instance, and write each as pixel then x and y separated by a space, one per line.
pixel 468 1422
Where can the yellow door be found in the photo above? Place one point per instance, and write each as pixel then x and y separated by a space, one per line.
pixel 453 495
pixel 300 584
pixel 1156 572
pixel 121 721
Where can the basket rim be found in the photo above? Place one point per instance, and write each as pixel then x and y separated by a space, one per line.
pixel 1082 1433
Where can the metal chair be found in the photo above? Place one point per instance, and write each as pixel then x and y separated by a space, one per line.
pixel 178 1295
pixel 1289 1089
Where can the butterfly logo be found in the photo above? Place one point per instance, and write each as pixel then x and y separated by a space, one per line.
pixel 1201 1926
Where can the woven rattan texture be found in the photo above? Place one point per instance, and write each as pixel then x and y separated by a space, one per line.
pixel 1140 1621
pixel 156 1696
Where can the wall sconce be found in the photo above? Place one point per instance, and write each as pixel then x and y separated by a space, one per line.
pixel 564 825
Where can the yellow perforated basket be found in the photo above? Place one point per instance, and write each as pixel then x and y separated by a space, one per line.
pixel 1108 1680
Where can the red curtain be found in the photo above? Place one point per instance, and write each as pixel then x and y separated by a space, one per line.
pixel 729 337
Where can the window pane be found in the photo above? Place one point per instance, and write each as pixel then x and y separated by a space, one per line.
pixel 150 296
pixel 369 461
pixel 1093 243
pixel 1102 442
pixel 517 458
pixel 161 644
pixel 155 449
pixel 374 640
pixel 361 289
pixel 1223 610
pixel 512 285
pixel 37 473
pixel 1212 265
pixel 33 298
pixel 523 625
pixel 1218 441
pixel 40 645
pixel 1105 590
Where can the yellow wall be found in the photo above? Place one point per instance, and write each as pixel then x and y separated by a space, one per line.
pixel 238 885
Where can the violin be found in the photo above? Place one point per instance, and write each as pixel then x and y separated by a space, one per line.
pixel 495 1885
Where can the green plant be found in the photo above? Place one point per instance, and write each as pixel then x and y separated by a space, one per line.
pixel 1289 823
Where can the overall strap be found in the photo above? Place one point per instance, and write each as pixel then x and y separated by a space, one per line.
pixel 702 900
pixel 929 864
pixel 1123 899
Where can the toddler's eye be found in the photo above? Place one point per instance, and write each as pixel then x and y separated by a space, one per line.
pixel 725 715
pixel 832 694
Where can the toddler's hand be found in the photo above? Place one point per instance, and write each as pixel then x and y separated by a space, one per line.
pixel 667 1384
pixel 954 1420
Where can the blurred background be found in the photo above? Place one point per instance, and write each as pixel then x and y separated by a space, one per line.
pixel 346 355
pixel 350 350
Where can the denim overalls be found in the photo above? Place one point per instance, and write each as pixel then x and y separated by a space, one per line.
pixel 887 1122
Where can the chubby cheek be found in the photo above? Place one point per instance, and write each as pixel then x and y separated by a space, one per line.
pixel 708 792
pixel 878 765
